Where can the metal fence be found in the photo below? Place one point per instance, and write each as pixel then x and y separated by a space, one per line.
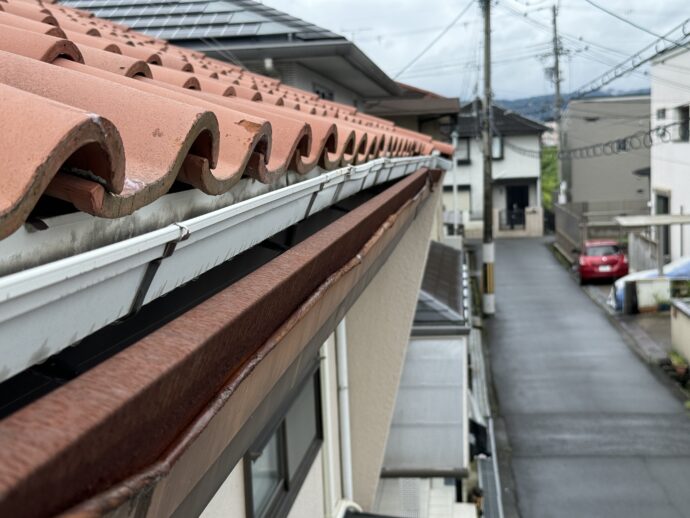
pixel 641 251
pixel 577 222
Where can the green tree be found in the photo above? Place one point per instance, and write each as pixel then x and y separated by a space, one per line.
pixel 549 175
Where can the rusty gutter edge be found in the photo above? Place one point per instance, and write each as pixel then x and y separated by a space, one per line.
pixel 70 460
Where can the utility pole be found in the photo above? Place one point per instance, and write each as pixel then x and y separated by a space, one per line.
pixel 456 223
pixel 557 101
pixel 488 254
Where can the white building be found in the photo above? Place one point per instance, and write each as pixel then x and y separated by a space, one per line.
pixel 670 165
pixel 516 173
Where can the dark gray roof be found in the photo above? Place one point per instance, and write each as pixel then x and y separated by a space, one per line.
pixel 199 19
pixel 440 305
pixel 247 32
pixel 506 122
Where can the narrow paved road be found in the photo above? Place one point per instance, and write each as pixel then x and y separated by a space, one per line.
pixel 593 432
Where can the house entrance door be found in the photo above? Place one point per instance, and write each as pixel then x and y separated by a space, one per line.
pixel 517 200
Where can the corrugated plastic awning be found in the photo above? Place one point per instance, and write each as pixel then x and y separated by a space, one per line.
pixel 653 220
pixel 429 432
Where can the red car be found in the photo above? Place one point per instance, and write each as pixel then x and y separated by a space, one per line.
pixel 602 259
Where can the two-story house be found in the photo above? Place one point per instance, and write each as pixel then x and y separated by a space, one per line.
pixel 606 180
pixel 670 166
pixel 516 147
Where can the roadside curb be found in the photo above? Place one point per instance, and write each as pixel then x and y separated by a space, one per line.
pixel 643 346
pixel 646 348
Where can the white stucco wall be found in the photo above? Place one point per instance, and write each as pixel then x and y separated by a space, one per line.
pixel 378 328
pixel 302 77
pixel 513 165
pixel 671 161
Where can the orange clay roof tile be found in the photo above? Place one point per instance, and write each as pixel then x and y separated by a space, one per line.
pixel 11 20
pixel 65 137
pixel 95 41
pixel 126 115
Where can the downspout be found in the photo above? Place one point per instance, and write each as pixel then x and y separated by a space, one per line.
pixel 328 433
pixel 344 408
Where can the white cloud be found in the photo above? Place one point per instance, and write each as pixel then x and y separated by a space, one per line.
pixel 391 33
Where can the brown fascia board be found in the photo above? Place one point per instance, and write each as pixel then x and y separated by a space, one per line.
pixel 401 106
pixel 111 434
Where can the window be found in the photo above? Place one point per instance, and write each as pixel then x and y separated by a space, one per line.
pixel 497 148
pixel 323 92
pixel 276 468
pixel 684 123
pixel 661 113
pixel 462 153
pixel 602 250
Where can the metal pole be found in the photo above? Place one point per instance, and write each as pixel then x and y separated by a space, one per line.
pixel 660 250
pixel 557 104
pixel 344 408
pixel 489 304
pixel 682 244
pixel 557 101
pixel 456 223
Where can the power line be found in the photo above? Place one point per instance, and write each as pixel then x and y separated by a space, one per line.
pixel 625 20
pixel 636 141
pixel 638 59
pixel 436 39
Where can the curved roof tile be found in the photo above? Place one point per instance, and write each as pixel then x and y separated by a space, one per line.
pixel 66 138
pixel 168 114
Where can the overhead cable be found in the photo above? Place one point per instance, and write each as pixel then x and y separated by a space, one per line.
pixel 436 39
pixel 625 20
pixel 634 142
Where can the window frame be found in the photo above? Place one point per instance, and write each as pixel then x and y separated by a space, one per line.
pixel 464 161
pixel 325 93
pixel 280 502
pixel 683 119
pixel 501 153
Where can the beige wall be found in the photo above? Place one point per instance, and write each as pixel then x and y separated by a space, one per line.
pixel 309 502
pixel 229 499
pixel 378 328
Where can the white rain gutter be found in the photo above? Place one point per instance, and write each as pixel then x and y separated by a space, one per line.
pixel 344 408
pixel 45 309
pixel 329 435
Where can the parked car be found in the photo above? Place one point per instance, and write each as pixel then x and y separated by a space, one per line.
pixel 678 269
pixel 602 259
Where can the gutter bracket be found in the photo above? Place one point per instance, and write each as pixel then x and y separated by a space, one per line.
pixel 152 268
pixel 312 199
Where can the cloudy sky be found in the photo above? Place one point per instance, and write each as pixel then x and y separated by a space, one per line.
pixel 393 32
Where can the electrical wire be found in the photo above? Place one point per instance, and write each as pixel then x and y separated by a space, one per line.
pixel 636 141
pixel 625 20
pixel 436 39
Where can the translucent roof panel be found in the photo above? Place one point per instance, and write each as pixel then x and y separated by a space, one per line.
pixel 429 431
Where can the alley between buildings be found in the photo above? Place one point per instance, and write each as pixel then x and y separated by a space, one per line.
pixel 592 430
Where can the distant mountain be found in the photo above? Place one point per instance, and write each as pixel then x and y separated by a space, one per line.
pixel 540 107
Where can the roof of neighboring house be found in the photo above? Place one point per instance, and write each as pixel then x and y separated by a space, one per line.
pixel 413 101
pixel 108 119
pixel 246 20
pixel 441 306
pixel 506 122
pixel 248 31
